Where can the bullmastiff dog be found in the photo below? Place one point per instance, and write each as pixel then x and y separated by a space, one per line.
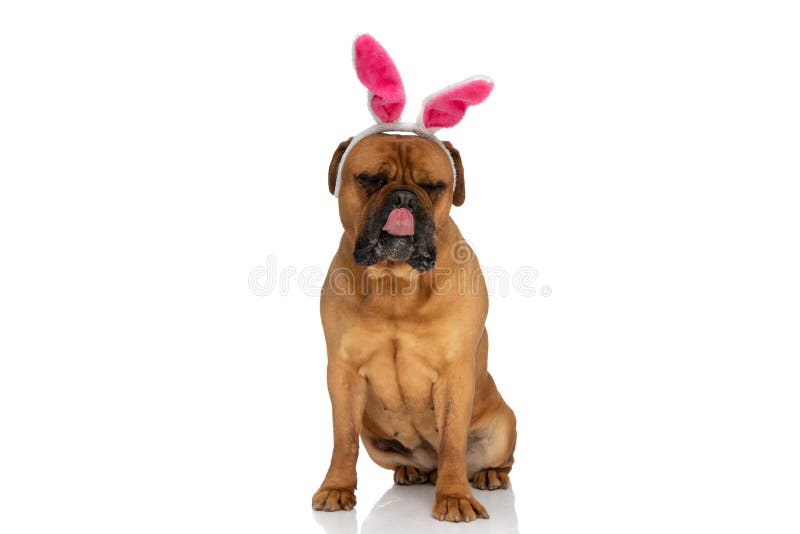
pixel 403 309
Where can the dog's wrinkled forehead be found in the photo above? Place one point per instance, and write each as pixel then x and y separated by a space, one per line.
pixel 401 150
pixel 386 128
pixel 386 99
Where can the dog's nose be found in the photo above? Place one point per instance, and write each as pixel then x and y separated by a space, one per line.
pixel 402 198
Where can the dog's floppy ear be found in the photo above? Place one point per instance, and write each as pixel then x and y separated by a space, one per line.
pixel 333 170
pixel 460 192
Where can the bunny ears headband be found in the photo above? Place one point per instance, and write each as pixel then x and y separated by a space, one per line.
pixel 386 99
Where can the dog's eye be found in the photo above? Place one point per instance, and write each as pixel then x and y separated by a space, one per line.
pixel 372 182
pixel 433 187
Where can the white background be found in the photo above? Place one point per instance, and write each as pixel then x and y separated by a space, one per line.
pixel 642 156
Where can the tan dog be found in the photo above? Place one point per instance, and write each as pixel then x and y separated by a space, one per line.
pixel 407 346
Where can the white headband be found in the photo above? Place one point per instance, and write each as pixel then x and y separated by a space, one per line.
pixel 387 98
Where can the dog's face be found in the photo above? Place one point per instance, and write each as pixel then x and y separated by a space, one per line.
pixel 396 191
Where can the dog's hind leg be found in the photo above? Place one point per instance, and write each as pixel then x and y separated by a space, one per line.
pixel 491 479
pixel 490 451
pixel 407 475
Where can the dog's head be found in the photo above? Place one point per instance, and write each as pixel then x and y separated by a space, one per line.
pixel 395 191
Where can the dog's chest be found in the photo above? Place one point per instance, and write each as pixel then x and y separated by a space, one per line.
pixel 399 381
pixel 399 374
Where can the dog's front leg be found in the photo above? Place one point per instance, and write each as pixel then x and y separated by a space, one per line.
pixel 452 396
pixel 348 394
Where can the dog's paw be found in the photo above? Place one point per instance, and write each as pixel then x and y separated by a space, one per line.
pixel 458 508
pixel 333 499
pixel 405 475
pixel 491 479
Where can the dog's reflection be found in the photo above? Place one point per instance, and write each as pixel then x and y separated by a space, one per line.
pixel 406 509
pixel 337 522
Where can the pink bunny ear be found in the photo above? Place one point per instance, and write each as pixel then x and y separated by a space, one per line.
pixel 377 72
pixel 447 107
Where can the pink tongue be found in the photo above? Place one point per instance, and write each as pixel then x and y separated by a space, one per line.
pixel 400 222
